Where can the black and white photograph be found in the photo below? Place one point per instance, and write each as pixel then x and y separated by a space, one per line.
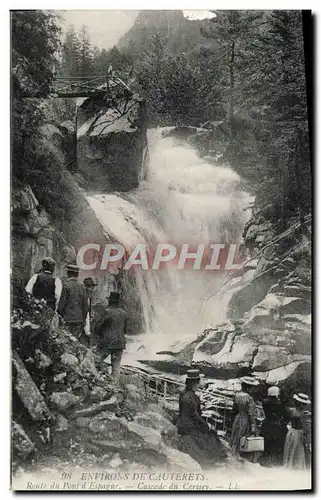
pixel 161 250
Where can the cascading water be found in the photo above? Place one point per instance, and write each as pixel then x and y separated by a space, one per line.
pixel 184 199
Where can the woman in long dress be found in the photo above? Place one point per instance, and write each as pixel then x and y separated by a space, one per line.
pixel 244 422
pixel 197 438
pixel 298 439
pixel 273 429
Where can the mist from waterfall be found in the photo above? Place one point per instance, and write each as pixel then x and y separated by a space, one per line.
pixel 184 199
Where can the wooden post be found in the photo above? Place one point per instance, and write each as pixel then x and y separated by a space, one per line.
pixel 165 389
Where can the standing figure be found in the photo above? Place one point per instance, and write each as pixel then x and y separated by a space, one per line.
pixel 244 422
pixel 110 328
pixel 298 439
pixel 198 438
pixel 273 429
pixel 73 304
pixel 43 285
pixel 89 287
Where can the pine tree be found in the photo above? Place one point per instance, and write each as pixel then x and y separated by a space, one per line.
pixel 71 56
pixel 85 53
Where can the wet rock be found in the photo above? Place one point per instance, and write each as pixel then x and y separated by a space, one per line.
pixel 270 357
pixel 250 294
pixel 214 341
pixel 64 400
pixel 240 354
pixel 281 374
pixel 28 392
pixel 21 443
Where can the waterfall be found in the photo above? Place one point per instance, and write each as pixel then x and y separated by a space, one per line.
pixel 183 199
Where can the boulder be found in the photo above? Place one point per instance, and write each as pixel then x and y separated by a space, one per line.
pixel 151 437
pixel 61 423
pixel 180 462
pixel 155 421
pixel 110 404
pixel 64 400
pixel 269 357
pixel 295 305
pixel 69 360
pixel 88 363
pixel 281 374
pixel 21 443
pixel 250 294
pixel 28 392
pixel 42 360
pixel 82 422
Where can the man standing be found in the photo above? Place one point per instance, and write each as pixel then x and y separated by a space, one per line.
pixel 73 304
pixel 43 285
pixel 111 330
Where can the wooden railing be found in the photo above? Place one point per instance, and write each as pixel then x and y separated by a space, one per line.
pixel 87 86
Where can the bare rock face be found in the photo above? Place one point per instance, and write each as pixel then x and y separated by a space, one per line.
pixel 21 443
pixel 111 140
pixel 28 392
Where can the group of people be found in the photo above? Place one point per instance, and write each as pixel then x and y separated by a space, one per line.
pixel 286 430
pixel 72 301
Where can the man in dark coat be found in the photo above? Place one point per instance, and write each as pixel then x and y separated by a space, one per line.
pixel 43 285
pixel 73 304
pixel 198 438
pixel 273 429
pixel 110 329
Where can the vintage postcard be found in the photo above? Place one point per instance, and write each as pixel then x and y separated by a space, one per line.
pixel 161 232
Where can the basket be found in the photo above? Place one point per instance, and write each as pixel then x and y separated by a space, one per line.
pixel 251 443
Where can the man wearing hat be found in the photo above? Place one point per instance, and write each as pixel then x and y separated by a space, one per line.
pixel 73 304
pixel 198 439
pixel 110 329
pixel 43 285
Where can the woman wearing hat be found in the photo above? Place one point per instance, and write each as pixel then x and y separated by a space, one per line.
pixel 244 422
pixel 198 439
pixel 298 440
pixel 273 429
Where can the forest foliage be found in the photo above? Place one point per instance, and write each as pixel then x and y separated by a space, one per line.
pixel 241 76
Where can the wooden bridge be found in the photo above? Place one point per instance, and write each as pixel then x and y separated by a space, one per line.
pixel 217 405
pixel 88 86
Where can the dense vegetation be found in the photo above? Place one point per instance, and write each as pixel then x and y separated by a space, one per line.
pixel 240 75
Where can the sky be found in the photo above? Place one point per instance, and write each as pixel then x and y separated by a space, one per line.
pixel 105 27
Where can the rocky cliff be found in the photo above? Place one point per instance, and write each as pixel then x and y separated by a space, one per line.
pixel 111 140
pixel 268 332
